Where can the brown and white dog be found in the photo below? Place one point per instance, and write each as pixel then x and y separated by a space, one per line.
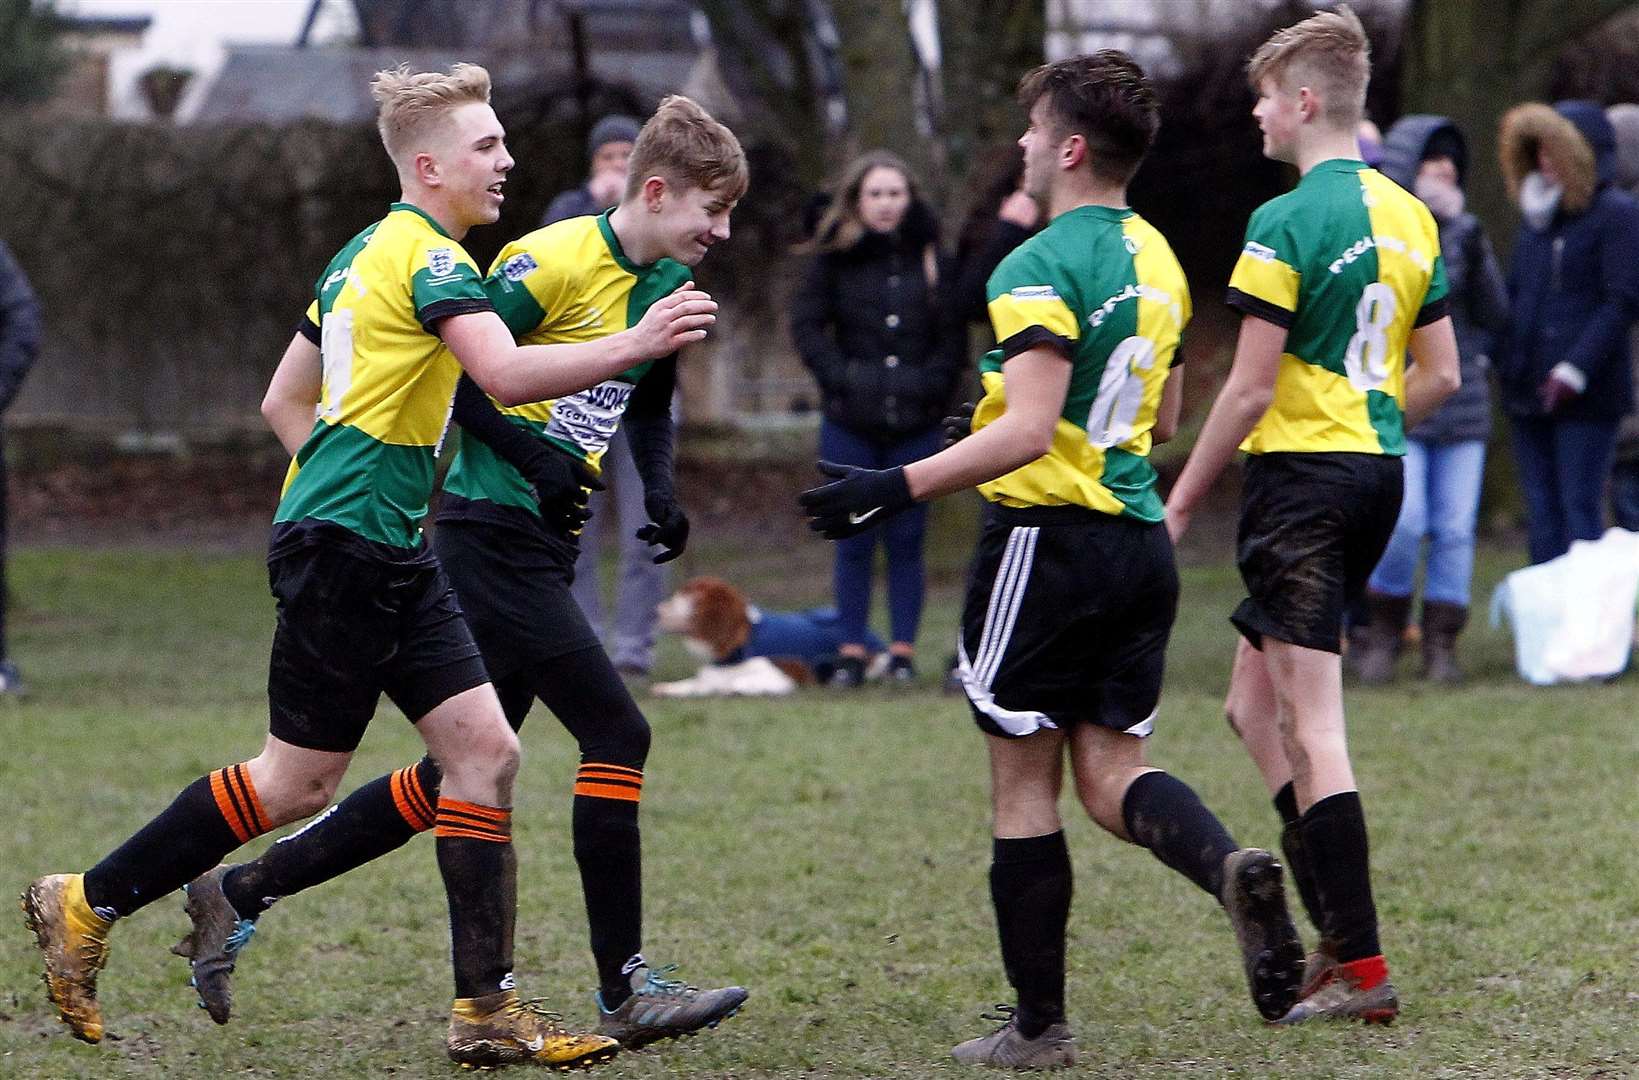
pixel 747 651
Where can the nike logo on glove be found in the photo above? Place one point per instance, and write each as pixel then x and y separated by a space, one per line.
pixel 860 519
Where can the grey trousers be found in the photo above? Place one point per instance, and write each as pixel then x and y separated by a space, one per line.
pixel 640 585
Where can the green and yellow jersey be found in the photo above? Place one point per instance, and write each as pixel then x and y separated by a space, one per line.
pixel 388 379
pixel 1102 286
pixel 567 282
pixel 1349 263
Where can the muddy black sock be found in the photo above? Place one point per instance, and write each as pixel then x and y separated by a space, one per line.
pixel 379 817
pixel 480 872
pixel 1030 885
pixel 609 851
pixel 1334 839
pixel 210 818
pixel 1291 846
pixel 1163 814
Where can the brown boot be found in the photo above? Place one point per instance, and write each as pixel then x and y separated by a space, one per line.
pixel 1441 624
pixel 1379 649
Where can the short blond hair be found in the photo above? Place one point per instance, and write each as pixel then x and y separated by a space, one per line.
pixel 412 103
pixel 1328 51
pixel 682 143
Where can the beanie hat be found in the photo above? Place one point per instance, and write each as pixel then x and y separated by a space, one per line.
pixel 612 128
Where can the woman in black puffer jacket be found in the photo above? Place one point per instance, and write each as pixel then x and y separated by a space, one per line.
pixel 873 322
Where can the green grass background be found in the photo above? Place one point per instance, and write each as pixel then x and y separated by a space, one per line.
pixel 829 851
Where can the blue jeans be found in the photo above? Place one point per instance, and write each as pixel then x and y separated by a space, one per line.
pixel 902 536
pixel 1441 502
pixel 1563 465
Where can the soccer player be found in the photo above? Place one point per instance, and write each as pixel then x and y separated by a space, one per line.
pixel 1073 590
pixel 1336 276
pixel 507 522
pixel 363 607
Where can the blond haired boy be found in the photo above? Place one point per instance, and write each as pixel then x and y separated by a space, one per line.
pixel 508 520
pixel 363 606
pixel 1337 277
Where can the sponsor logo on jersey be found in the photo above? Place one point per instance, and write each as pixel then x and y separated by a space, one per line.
pixel 1259 251
pixel 1034 292
pixel 518 267
pixel 589 419
pixel 441 261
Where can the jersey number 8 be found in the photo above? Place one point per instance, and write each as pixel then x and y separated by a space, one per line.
pixel 1367 357
pixel 1114 414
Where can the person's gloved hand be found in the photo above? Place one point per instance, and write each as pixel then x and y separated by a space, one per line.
pixel 1563 384
pixel 859 499
pixel 563 490
pixel 959 424
pixel 668 527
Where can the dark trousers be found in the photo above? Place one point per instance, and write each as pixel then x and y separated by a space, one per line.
pixel 1563 466
pixel 4 520
pixel 902 536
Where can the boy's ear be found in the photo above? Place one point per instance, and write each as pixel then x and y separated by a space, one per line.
pixel 653 191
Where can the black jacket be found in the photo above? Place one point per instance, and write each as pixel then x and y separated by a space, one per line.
pixel 19 328
pixel 1477 292
pixel 1574 285
pixel 884 345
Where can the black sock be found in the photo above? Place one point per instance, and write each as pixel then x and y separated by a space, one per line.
pixel 1163 814
pixel 1030 885
pixel 1334 839
pixel 480 872
pixel 211 817
pixel 1291 846
pixel 379 817
pixel 609 850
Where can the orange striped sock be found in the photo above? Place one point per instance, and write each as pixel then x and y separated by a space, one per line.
pixel 236 799
pixel 411 798
pixel 600 781
pixel 457 818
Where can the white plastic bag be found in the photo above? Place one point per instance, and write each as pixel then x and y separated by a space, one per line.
pixel 1572 617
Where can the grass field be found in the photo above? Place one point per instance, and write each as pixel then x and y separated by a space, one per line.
pixel 829 852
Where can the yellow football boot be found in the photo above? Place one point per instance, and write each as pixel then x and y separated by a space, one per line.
pixel 74 940
pixel 502 1029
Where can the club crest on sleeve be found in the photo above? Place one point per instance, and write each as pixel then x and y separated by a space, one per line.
pixel 441 261
pixel 1259 251
pixel 518 267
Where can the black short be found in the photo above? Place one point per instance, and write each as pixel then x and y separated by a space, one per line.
pixel 1067 617
pixel 1312 529
pixel 514 588
pixel 351 628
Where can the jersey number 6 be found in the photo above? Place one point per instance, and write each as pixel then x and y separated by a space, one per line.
pixel 1114 414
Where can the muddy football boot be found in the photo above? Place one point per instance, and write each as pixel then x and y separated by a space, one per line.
pixel 1318 968
pixel 503 1029
pixel 74 941
pixel 214 943
pixel 661 1008
pixel 1007 1048
pixel 1341 997
pixel 1271 952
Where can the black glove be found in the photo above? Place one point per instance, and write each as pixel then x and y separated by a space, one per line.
pixel 959 424
pixel 563 490
pixel 668 527
pixel 858 500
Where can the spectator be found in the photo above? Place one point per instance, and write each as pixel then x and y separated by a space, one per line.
pixel 19 342
pixel 1002 218
pixel 639 584
pixel 1625 473
pixel 1573 287
pixel 873 321
pixel 1445 454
